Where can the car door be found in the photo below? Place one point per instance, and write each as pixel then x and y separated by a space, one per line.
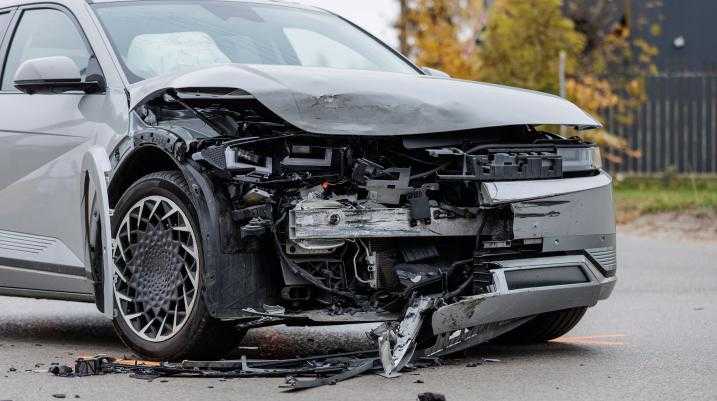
pixel 43 138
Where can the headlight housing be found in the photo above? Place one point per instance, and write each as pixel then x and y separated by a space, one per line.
pixel 580 158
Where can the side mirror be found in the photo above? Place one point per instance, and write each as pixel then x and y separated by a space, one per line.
pixel 52 75
pixel 434 72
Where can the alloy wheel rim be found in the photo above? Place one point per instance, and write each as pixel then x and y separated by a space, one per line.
pixel 156 268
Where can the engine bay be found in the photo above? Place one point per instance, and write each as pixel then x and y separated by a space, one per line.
pixel 361 223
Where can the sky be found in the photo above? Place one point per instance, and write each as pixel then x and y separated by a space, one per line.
pixel 375 16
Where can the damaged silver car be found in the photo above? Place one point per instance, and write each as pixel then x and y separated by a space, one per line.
pixel 199 168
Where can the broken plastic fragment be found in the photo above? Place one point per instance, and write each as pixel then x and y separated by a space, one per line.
pixel 404 336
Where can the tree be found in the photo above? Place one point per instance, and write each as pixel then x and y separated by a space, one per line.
pixel 522 43
pixel 614 64
pixel 441 34
pixel 517 42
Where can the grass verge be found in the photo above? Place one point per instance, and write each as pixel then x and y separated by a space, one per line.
pixel 638 196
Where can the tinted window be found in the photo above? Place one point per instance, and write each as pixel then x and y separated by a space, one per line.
pixel 44 33
pixel 158 38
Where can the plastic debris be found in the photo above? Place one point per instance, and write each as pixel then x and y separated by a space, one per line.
pixel 61 370
pixel 431 397
pixel 300 373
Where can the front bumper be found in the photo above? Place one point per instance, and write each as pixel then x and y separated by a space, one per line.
pixel 528 287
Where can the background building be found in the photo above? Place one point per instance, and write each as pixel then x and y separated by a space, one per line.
pixel 677 128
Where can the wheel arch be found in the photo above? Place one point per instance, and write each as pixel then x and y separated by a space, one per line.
pixel 138 162
pixel 227 269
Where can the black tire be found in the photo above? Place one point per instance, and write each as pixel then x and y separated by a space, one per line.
pixel 544 327
pixel 200 336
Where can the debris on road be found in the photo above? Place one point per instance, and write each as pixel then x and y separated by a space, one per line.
pixel 97 365
pixel 61 370
pixel 300 373
pixel 397 344
pixel 100 364
pixel 431 397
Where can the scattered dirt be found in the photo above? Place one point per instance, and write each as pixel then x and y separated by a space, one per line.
pixel 682 226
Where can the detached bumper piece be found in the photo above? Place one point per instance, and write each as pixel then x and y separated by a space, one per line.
pixel 527 287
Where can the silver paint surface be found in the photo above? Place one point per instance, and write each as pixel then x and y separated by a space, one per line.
pixel 350 102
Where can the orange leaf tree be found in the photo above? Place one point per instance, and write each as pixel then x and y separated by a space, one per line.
pixel 518 42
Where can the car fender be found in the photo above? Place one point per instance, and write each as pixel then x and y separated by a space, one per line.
pixel 95 167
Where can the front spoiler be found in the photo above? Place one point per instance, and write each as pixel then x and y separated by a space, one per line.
pixel 504 304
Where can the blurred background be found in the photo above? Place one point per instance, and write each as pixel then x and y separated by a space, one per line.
pixel 647 69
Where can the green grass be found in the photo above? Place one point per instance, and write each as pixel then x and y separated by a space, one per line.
pixel 638 196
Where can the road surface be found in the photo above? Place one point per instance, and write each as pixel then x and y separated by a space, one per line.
pixel 654 339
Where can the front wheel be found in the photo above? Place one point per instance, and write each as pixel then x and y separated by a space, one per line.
pixel 159 311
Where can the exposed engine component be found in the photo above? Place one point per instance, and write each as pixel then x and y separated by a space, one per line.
pixel 366 222
pixel 331 219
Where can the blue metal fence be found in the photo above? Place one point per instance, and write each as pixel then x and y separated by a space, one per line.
pixel 676 127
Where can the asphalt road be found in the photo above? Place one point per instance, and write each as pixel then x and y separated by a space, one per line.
pixel 654 339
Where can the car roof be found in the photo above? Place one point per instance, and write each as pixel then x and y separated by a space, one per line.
pixel 13 3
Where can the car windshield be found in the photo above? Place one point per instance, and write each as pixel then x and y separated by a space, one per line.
pixel 164 37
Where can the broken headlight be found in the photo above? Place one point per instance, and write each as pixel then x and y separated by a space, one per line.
pixel 580 159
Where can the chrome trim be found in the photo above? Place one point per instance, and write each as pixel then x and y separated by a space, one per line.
pixel 495 193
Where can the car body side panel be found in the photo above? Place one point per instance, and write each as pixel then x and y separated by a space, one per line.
pixel 44 197
pixel 43 139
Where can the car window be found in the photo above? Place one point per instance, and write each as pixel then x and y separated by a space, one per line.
pixel 316 50
pixel 155 38
pixel 4 22
pixel 44 33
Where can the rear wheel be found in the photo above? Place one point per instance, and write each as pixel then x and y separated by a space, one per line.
pixel 159 261
pixel 544 327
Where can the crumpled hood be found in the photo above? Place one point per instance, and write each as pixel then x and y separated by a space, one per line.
pixel 350 102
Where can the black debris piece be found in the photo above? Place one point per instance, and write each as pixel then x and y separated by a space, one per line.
pixel 431 397
pixel 474 364
pixel 97 365
pixel 419 381
pixel 354 369
pixel 141 376
pixel 61 370
pixel 59 395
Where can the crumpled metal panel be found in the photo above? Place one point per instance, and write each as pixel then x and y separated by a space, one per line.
pixel 352 102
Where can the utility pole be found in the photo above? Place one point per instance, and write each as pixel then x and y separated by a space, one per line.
pixel 402 26
pixel 561 78
pixel 561 72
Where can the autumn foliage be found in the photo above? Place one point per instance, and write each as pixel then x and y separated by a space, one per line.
pixel 518 42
